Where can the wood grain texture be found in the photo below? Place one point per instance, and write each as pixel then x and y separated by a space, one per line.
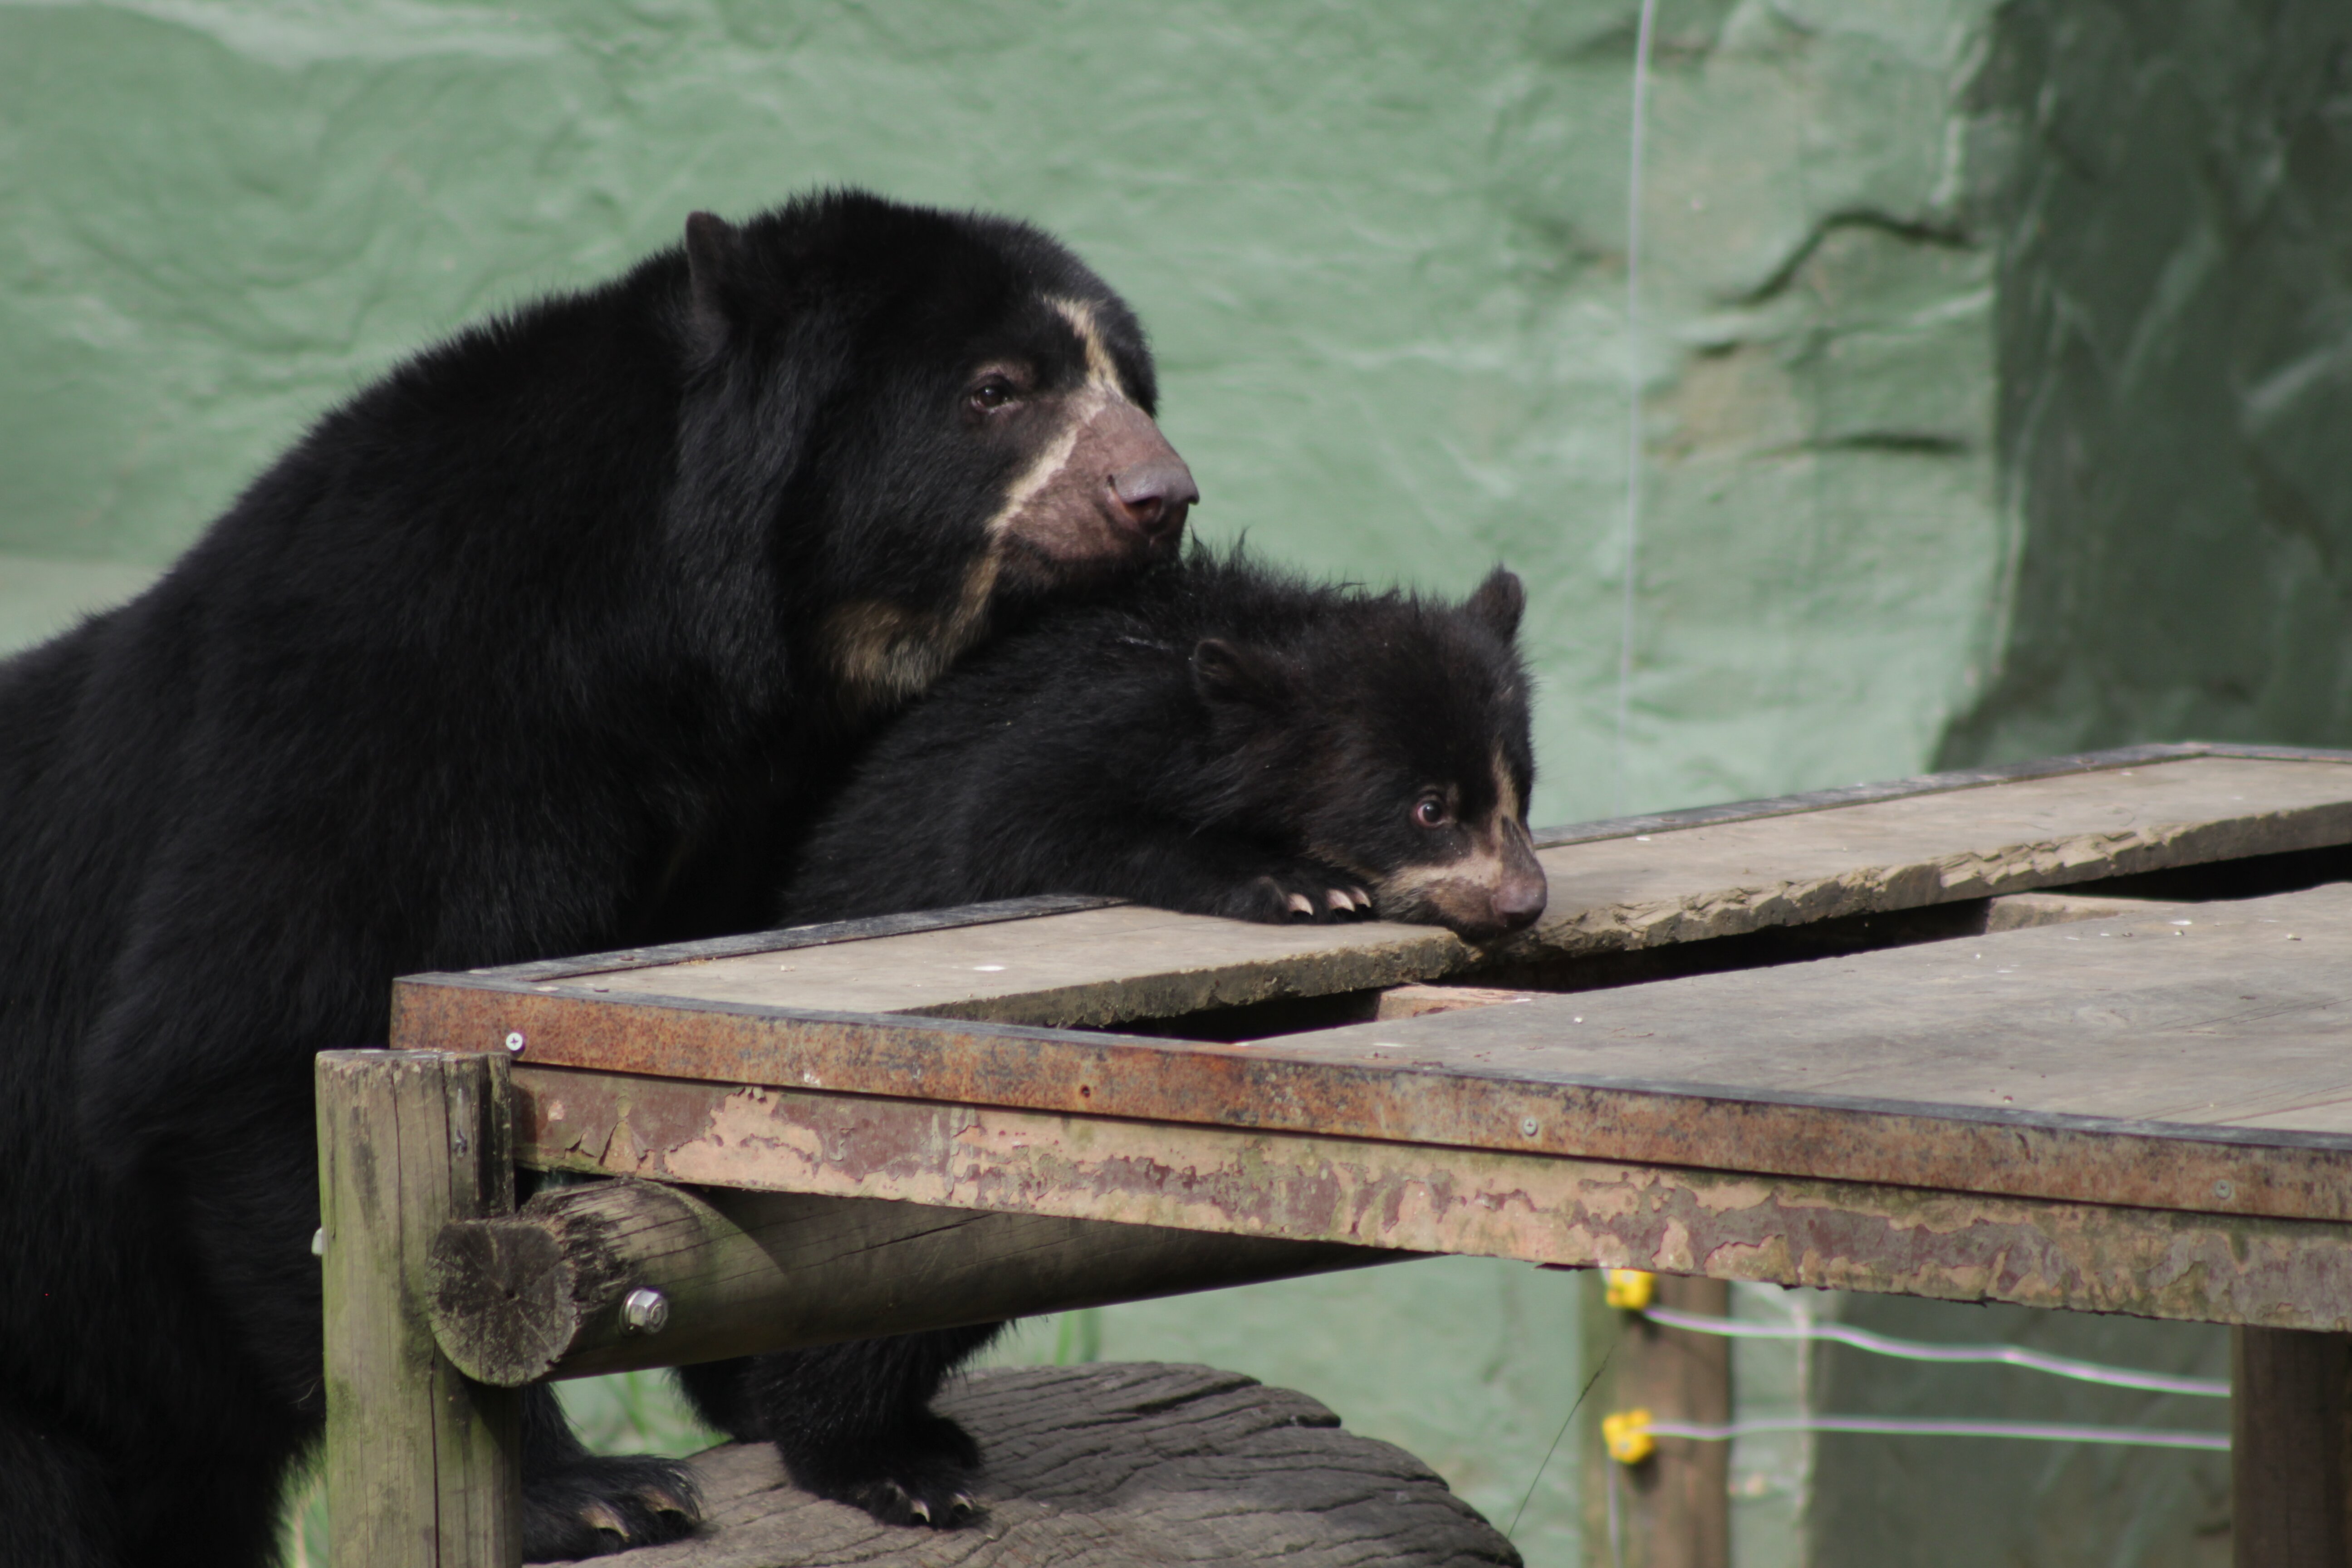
pixel 2291 1450
pixel 1609 895
pixel 542 1292
pixel 423 1465
pixel 1674 1509
pixel 1541 1208
pixel 1110 1466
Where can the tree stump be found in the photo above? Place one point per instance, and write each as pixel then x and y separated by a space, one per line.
pixel 1096 1466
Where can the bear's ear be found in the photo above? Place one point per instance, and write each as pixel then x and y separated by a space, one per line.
pixel 1224 673
pixel 1499 602
pixel 714 266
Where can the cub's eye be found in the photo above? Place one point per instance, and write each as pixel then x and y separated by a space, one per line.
pixel 1429 811
pixel 993 393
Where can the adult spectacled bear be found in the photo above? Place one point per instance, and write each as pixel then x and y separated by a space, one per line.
pixel 542 644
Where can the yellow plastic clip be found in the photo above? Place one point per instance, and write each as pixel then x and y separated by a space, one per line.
pixel 1627 1433
pixel 1628 1289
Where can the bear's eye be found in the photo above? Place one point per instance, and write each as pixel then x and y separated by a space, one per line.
pixel 991 394
pixel 1429 811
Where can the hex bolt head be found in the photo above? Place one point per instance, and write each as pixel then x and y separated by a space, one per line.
pixel 514 1042
pixel 2225 1189
pixel 1527 1127
pixel 646 1311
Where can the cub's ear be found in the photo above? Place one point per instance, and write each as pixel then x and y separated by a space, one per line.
pixel 1499 602
pixel 714 265
pixel 1222 672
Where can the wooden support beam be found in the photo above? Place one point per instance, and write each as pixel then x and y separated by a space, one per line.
pixel 2291 1450
pixel 1672 1508
pixel 626 1274
pixel 423 1465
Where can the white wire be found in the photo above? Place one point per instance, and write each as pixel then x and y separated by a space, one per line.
pixel 1633 382
pixel 1915 1350
pixel 2035 1431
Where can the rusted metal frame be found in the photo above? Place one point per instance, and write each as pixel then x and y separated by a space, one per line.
pixel 1453 1105
pixel 1539 1208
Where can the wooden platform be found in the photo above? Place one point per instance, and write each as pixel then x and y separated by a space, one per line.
pixel 1116 1467
pixel 2073 1035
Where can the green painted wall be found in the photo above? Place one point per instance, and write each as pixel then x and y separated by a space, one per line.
pixel 1992 373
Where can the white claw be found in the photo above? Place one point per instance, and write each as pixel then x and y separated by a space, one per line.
pixel 1299 905
pixel 922 1509
pixel 1363 901
pixel 1338 901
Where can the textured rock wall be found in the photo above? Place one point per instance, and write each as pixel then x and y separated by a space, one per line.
pixel 2174 225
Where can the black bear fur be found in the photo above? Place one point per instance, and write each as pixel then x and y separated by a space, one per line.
pixel 541 644
pixel 1219 738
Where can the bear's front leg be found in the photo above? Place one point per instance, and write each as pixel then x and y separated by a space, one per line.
pixel 579 1504
pixel 854 1423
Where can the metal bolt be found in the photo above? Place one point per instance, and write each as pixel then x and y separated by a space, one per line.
pixel 1527 1126
pixel 514 1042
pixel 2225 1189
pixel 646 1311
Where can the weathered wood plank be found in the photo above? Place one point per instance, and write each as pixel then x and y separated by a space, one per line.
pixel 1620 893
pixel 1673 1510
pixel 423 1467
pixel 1539 1208
pixel 616 1276
pixel 2291 1450
pixel 2069 1062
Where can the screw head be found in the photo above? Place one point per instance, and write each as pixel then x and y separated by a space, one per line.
pixel 514 1042
pixel 1527 1126
pixel 646 1311
pixel 2225 1189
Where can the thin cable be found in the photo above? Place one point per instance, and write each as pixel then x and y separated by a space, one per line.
pixel 1633 382
pixel 1555 1440
pixel 2031 1431
pixel 1916 1350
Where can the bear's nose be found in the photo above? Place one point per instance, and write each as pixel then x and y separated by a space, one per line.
pixel 1521 899
pixel 1154 497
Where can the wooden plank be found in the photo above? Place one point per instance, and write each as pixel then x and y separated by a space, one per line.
pixel 1887 1067
pixel 618 1276
pixel 1539 1208
pixel 1110 965
pixel 1672 1510
pixel 423 1467
pixel 2291 1450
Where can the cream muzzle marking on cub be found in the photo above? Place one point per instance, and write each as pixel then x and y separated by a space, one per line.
pixel 1462 885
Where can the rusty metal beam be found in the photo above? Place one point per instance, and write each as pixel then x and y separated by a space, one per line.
pixel 1540 1207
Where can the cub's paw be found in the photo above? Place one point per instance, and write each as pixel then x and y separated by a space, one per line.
pixel 597 1505
pixel 922 1476
pixel 1299 895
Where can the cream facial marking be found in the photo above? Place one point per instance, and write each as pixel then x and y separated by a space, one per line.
pixel 1101 390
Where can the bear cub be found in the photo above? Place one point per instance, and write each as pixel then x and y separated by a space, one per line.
pixel 1219 738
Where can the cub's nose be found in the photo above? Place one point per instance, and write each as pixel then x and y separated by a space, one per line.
pixel 1521 899
pixel 1154 497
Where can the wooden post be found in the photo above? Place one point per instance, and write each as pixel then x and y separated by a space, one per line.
pixel 2291 1448
pixel 423 1465
pixel 1672 1510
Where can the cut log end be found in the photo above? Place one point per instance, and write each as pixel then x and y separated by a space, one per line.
pixel 1110 1466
